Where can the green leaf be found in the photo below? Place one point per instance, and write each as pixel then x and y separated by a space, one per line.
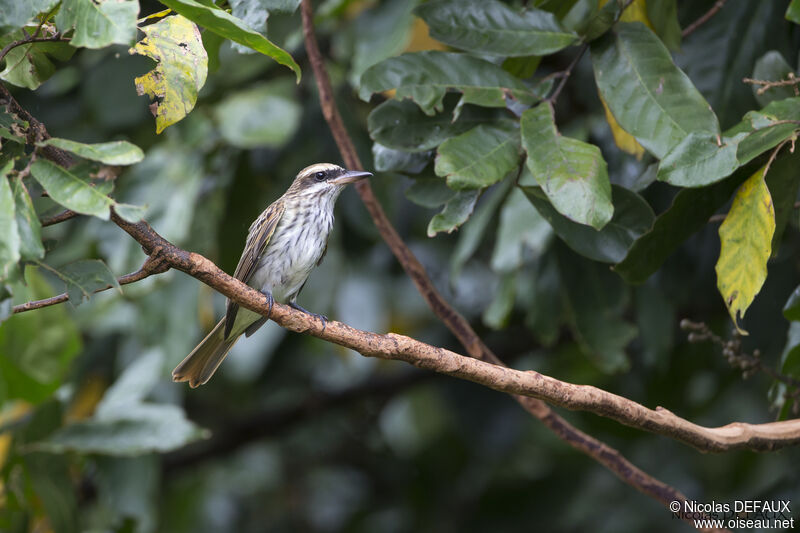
pixel 544 301
pixel 793 12
pixel 53 486
pixel 783 182
pixel 596 301
pixel 647 94
pixel 28 225
pixel 496 315
pixel 745 238
pixel 480 157
pixel 772 67
pixel 522 234
pixel 132 386
pixel 99 23
pixel 688 213
pixel 82 278
pixel 262 115
pixel 472 232
pixel 144 428
pixel 792 308
pixel 698 160
pixel 110 153
pixel 16 14
pixel 663 15
pixel 491 27
pixel 181 69
pixel 456 211
pixel 429 192
pixel 11 127
pixel 29 65
pixel 766 128
pixel 254 14
pixel 632 218
pixel 425 77
pixel 401 125
pixel 72 191
pixel 390 160
pixel 230 27
pixel 37 347
pixel 9 234
pixel 572 174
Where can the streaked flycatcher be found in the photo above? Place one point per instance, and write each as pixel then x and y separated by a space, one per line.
pixel 283 245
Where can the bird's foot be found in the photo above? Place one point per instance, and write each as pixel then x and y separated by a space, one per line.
pixel 323 318
pixel 270 302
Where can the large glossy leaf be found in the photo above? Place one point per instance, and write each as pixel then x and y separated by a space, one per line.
pixel 456 211
pixel 9 236
pixel 401 125
pixel 110 153
pixel 474 229
pixel 30 65
pixel 70 190
pixel 82 278
pixel 663 15
pixel 182 64
pixel 28 225
pixel 230 27
pixel 522 234
pixel 745 237
pixel 425 77
pixel 254 13
pixel 429 192
pixel 766 128
pixel 793 11
pixel 480 157
pixel 689 212
pixel 99 23
pixel 15 14
pixel 391 160
pixel 262 115
pixel 698 160
pixel 595 300
pixel 491 27
pixel 572 173
pixel 648 95
pixel 632 218
pixel 37 347
pixel 144 428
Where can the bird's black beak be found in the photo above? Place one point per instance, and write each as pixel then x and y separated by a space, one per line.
pixel 350 176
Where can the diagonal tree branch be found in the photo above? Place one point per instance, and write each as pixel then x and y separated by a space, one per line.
pixel 605 455
pixel 735 436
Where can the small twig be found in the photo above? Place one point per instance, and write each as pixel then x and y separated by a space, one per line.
pixel 28 40
pixel 150 268
pixel 791 80
pixel 702 20
pixel 566 74
pixel 59 217
pixel 749 364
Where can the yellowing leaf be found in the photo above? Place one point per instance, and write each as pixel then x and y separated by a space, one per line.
pixel 636 12
pixel 421 39
pixel 624 140
pixel 175 44
pixel 746 237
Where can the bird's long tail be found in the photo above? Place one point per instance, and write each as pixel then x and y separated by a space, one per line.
pixel 198 367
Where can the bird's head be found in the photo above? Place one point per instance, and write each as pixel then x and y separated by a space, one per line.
pixel 324 179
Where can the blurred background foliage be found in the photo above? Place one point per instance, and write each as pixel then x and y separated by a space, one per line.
pixel 295 434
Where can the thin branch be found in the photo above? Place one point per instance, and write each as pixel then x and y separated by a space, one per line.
pixel 735 436
pixel 791 80
pixel 59 217
pixel 28 40
pixel 702 20
pixel 566 74
pixel 150 267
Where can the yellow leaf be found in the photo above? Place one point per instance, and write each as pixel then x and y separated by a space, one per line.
pixel 745 237
pixel 421 39
pixel 181 69
pixel 86 399
pixel 636 12
pixel 624 140
pixel 9 415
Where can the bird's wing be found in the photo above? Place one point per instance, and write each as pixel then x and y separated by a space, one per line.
pixel 257 239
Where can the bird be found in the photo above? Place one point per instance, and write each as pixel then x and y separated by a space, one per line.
pixel 283 246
